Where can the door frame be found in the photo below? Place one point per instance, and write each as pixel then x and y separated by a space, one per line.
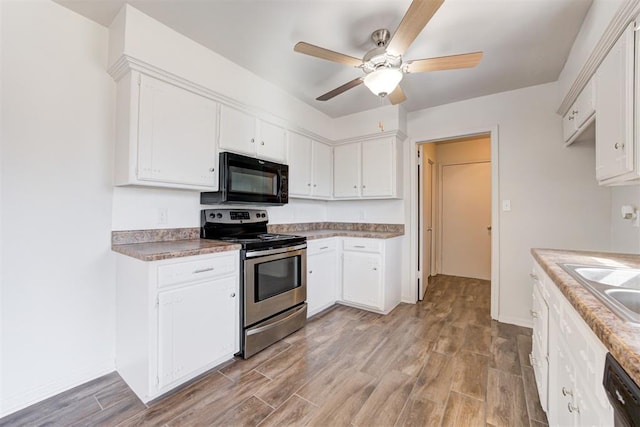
pixel 422 161
pixel 492 131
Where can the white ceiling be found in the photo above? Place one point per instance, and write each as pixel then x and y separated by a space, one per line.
pixel 525 42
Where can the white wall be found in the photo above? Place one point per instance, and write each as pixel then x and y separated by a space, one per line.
pixel 554 198
pixel 58 270
pixel 385 118
pixel 625 236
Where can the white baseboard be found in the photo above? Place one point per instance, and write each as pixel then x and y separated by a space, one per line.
pixel 12 403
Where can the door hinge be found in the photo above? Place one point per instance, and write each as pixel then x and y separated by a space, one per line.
pixel 418 273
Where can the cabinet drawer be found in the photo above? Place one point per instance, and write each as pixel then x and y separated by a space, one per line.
pixel 188 271
pixel 362 245
pixel 321 245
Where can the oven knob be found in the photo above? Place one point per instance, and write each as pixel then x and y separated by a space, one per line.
pixel 258 215
pixel 219 215
pixel 212 215
pixel 263 215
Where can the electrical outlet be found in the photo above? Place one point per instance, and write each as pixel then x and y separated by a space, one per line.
pixel 163 216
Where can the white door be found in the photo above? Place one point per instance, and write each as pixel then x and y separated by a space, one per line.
pixel 346 170
pixel 377 168
pixel 427 224
pixel 176 135
pixel 237 131
pixel 322 170
pixel 466 220
pixel 299 165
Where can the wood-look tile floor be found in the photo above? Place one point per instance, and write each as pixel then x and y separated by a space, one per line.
pixel 441 362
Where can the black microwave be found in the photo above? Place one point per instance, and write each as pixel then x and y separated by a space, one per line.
pixel 246 180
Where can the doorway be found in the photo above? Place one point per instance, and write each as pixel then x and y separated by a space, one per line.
pixel 454 209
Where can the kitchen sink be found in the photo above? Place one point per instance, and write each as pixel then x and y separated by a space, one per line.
pixel 617 288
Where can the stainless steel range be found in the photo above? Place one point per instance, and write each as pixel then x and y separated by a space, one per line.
pixel 272 279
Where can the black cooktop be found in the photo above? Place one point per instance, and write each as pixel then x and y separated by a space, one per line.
pixel 248 227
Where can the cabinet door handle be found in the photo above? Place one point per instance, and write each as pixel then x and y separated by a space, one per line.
pixel 571 117
pixel 375 268
pixel 533 276
pixel 534 314
pixel 618 145
pixel 324 247
pixel 308 185
pixel 364 186
pixel 355 186
pixel 310 271
pixel 233 295
pixel 566 392
pixel 315 185
pixel 574 112
pixel 253 140
pixel 572 408
pixel 212 169
pixel 261 142
pixel 204 270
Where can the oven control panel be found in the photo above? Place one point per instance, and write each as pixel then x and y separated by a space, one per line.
pixel 234 216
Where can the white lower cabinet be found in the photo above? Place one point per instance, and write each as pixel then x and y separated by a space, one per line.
pixel 176 319
pixel 322 275
pixel 569 376
pixel 371 273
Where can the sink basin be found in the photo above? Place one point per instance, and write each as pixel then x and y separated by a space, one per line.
pixel 617 288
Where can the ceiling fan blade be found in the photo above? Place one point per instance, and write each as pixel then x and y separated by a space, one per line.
pixel 329 55
pixel 337 91
pixel 465 60
pixel 397 96
pixel 418 15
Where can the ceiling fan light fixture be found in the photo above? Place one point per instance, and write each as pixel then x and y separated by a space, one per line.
pixel 383 81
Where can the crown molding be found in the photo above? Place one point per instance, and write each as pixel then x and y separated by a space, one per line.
pixel 625 14
pixel 398 134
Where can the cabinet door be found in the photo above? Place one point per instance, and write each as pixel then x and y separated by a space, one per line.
pixel 237 131
pixel 346 171
pixel 271 144
pixel 321 281
pixel 378 168
pixel 540 313
pixel 197 326
pixel 322 170
pixel 569 126
pixel 176 135
pixel 362 279
pixel 299 158
pixel 614 104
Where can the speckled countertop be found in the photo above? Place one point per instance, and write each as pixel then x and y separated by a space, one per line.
pixel 154 245
pixel 622 339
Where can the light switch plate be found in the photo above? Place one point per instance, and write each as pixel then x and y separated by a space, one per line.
pixel 506 205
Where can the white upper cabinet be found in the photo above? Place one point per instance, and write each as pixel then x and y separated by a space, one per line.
pixel 322 167
pixel 615 161
pixel 243 133
pixel 346 171
pixel 368 169
pixel 310 167
pixel 580 115
pixel 165 135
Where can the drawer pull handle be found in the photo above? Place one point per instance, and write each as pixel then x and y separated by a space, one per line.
pixel 572 408
pixel 310 271
pixel 204 270
pixel 533 276
pixel 566 392
pixel 359 246
pixel 324 247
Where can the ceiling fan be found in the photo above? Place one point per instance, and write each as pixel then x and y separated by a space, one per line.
pixel 383 65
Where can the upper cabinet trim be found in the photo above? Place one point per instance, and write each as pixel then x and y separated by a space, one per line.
pixel 127 63
pixel 623 17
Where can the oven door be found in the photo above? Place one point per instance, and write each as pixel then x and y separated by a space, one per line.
pixel 274 280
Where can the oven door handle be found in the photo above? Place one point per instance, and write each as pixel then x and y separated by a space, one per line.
pixel 252 254
pixel 276 323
